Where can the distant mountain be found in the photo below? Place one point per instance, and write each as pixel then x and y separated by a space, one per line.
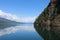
pixel 7 23
pixel 5 20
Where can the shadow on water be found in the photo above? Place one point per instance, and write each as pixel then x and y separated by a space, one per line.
pixel 47 35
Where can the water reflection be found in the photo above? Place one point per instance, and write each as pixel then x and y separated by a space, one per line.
pixel 6 25
pixel 52 34
pixel 19 32
pixel 13 29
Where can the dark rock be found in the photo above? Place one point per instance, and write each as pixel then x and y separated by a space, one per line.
pixel 48 22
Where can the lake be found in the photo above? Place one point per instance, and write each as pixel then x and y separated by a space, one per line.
pixel 19 32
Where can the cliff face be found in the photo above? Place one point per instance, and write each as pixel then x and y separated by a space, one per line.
pixel 48 22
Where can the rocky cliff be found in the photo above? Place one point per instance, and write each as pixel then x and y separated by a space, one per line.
pixel 48 22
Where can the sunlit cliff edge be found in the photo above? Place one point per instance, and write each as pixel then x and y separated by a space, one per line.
pixel 48 22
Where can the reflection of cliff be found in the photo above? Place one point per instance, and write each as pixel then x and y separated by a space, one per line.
pixel 48 23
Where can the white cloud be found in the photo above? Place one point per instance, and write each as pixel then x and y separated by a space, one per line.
pixel 16 28
pixel 15 18
pixel 8 16
pixel 28 19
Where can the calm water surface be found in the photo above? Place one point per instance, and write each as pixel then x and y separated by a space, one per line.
pixel 19 32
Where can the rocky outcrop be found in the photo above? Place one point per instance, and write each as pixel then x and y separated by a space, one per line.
pixel 48 22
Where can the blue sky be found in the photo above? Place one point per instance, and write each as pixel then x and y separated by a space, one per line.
pixel 23 8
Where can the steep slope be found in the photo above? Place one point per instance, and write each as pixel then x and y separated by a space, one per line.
pixel 48 23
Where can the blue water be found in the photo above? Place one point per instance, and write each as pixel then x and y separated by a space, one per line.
pixel 19 32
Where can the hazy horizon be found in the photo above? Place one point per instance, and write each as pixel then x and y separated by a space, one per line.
pixel 22 10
